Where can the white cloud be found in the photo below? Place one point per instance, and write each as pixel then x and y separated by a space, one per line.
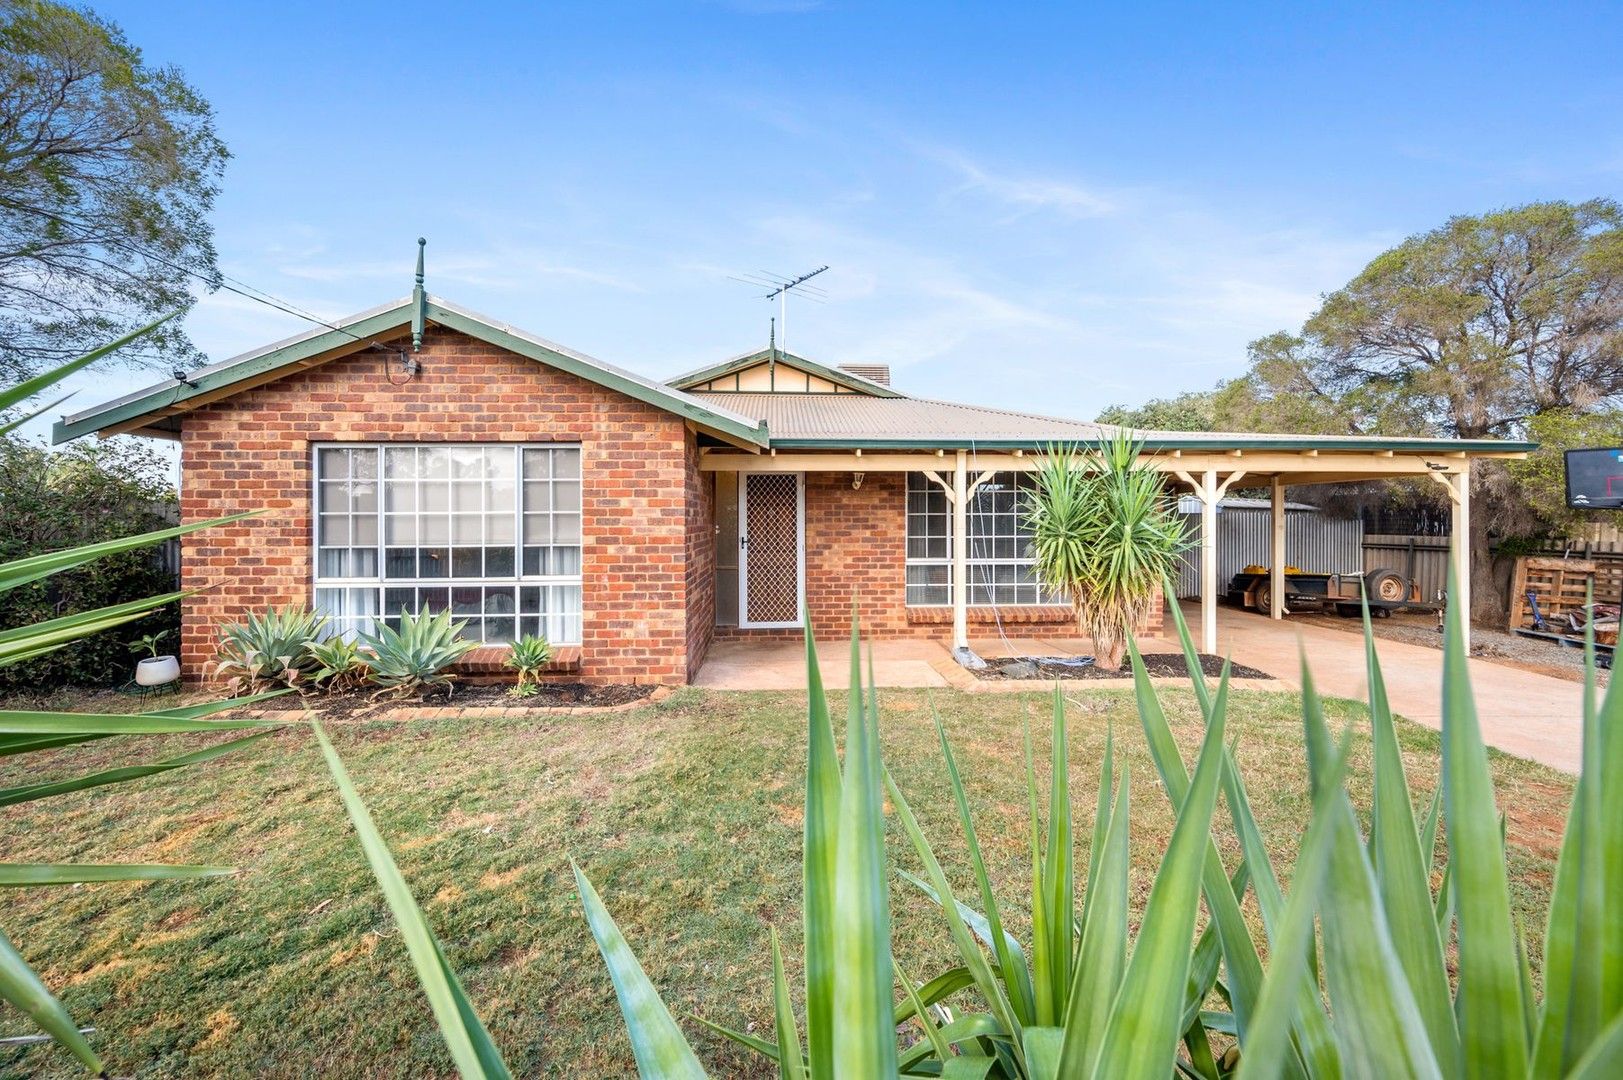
pixel 1025 194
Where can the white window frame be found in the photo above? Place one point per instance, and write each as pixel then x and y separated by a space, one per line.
pixel 518 580
pixel 977 565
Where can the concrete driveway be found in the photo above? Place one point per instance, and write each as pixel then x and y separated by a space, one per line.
pixel 1532 716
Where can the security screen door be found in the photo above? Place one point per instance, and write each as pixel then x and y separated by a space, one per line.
pixel 771 549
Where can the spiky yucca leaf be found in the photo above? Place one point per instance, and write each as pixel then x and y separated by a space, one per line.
pixel 1141 1036
pixel 30 732
pixel 465 1036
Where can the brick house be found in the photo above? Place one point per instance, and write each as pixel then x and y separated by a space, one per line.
pixel 422 456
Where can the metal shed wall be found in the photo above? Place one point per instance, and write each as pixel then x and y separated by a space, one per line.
pixel 1313 542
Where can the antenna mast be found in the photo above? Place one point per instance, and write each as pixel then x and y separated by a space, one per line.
pixel 779 288
pixel 781 293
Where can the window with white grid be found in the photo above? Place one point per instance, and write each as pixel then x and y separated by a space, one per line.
pixel 490 532
pixel 999 556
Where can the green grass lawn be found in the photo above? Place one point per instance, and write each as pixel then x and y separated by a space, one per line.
pixel 686 814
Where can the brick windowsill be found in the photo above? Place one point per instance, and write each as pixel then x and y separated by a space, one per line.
pixel 491 660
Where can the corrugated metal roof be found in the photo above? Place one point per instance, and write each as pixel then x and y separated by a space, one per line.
pixel 791 417
pixel 807 421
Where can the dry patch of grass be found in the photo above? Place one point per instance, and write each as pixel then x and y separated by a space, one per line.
pixel 686 814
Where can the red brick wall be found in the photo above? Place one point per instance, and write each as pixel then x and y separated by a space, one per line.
pixel 856 544
pixel 252 451
pixel 700 493
pixel 855 541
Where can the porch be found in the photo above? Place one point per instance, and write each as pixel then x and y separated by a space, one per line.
pixel 780 663
pixel 904 539
pixel 1534 716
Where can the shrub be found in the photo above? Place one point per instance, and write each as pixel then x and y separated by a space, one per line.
pixel 341 665
pixel 528 656
pixel 84 493
pixel 271 650
pixel 414 657
pixel 1104 535
pixel 22 642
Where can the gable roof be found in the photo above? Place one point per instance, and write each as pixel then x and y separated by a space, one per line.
pixel 156 406
pixel 872 416
pixel 849 380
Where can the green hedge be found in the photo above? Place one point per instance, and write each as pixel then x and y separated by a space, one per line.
pixel 88 492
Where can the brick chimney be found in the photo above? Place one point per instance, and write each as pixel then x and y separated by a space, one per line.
pixel 879 373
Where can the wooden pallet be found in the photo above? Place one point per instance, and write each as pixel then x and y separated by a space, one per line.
pixel 1560 586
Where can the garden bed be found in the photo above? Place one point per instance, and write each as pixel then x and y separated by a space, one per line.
pixel 363 702
pixel 1159 665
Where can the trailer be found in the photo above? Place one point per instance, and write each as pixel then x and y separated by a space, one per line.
pixel 1342 593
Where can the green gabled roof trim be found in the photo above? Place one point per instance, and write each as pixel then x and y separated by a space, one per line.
pixel 857 383
pixel 398 315
pixel 656 394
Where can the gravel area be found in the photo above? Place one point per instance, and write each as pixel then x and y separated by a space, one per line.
pixel 1495 646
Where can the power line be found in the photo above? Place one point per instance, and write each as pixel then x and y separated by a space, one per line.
pixel 227 282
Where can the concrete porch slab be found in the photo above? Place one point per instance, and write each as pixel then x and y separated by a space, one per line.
pixel 781 665
pixel 743 664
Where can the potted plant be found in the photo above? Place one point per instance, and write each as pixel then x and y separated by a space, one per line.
pixel 155 669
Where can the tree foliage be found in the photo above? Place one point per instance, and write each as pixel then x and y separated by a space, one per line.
pixel 1542 477
pixel 1193 410
pixel 108 170
pixel 1507 324
pixel 84 494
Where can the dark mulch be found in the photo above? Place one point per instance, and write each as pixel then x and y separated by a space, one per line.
pixel 356 703
pixel 1170 665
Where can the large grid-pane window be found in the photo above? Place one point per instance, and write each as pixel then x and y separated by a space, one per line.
pixel 999 556
pixel 490 532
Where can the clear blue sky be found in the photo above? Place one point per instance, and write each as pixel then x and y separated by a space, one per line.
pixel 1036 207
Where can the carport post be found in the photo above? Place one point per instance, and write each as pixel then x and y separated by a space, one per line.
pixel 1459 545
pixel 1208 561
pixel 1276 561
pixel 960 552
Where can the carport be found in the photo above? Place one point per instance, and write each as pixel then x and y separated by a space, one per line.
pixel 1281 462
pixel 954 450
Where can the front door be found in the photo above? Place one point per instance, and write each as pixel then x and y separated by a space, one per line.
pixel 772 543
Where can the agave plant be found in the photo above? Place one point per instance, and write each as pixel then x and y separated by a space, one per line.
pixel 1356 983
pixel 24 732
pixel 415 656
pixel 528 656
pixel 1396 1009
pixel 1104 537
pixel 340 664
pixel 272 650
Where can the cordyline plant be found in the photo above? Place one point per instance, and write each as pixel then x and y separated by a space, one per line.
pixel 1104 536
pixel 23 732
pixel 1357 982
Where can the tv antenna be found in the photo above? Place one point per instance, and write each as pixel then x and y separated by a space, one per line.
pixel 778 288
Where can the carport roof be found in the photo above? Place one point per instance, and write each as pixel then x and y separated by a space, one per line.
pixel 859 421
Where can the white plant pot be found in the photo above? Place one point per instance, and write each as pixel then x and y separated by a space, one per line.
pixel 157 671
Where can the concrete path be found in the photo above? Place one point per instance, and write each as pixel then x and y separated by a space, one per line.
pixel 1538 717
pixel 781 665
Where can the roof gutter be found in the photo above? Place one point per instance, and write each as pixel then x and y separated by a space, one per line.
pixel 1435 446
